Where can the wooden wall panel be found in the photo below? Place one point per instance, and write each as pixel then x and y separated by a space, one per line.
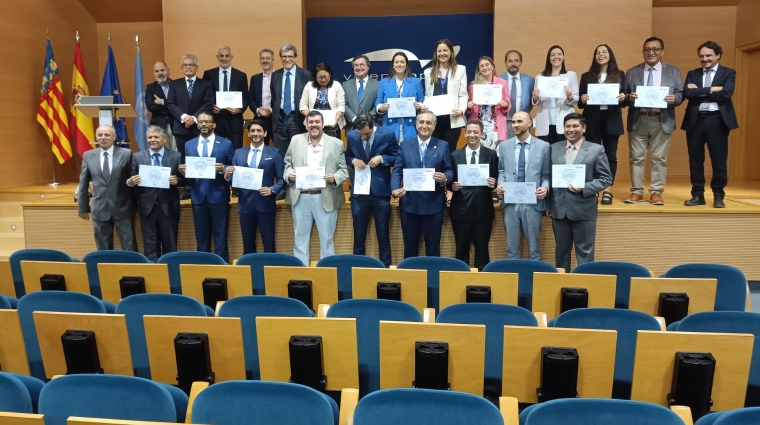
pixel 747 15
pixel 750 111
pixel 352 8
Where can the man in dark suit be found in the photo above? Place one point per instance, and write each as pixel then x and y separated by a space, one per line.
pixel 374 147
pixel 211 197
pixel 188 96
pixel 257 208
pixel 107 168
pixel 520 87
pixel 471 209
pixel 422 211
pixel 159 208
pixel 286 88
pixel 260 92
pixel 156 94
pixel 709 118
pixel 361 92
pixel 229 121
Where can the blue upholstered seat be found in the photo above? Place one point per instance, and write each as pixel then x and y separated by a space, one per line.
pixel 525 270
pixel 174 259
pixel 434 265
pixel 32 255
pixel 108 256
pixel 623 271
pixel 731 294
pixel 259 260
pixel 345 263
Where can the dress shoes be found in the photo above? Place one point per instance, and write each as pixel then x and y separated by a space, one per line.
pixel 634 199
pixel 656 199
pixel 695 200
pixel 718 203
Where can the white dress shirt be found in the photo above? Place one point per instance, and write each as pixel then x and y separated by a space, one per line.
pixel 110 158
pixel 258 156
pixel 365 79
pixel 211 140
pixel 292 99
pixel 469 152
pixel 314 153
pixel 221 78
pixel 713 105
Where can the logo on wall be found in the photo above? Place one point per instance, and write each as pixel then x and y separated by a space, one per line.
pixel 386 55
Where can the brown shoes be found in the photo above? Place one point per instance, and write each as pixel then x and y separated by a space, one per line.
pixel 633 199
pixel 656 199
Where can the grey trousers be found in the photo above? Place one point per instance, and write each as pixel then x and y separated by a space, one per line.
pixel 648 136
pixel 525 217
pixel 104 234
pixel 567 233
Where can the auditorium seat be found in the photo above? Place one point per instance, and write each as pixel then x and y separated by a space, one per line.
pixel 35 254
pixel 259 260
pixel 263 403
pixel 14 395
pixel 494 317
pixel 5 303
pixel 121 257
pixel 595 411
pixel 525 270
pixel 731 293
pixel 174 259
pixel 368 314
pixel 746 416
pixel 139 305
pixel 345 263
pixel 406 406
pixel 434 265
pixel 248 308
pixel 623 271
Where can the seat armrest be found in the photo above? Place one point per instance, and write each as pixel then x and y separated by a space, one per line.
pixel 683 412
pixel 322 310
pixel 663 325
pixel 541 317
pixel 428 315
pixel 349 397
pixel 509 411
pixel 197 387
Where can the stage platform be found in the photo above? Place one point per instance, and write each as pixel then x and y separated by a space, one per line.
pixel 657 237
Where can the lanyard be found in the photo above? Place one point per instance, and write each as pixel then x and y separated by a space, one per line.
pixel 443 80
pixel 401 89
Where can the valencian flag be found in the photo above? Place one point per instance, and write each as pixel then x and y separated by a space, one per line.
pixel 82 131
pixel 141 121
pixel 51 113
pixel 111 87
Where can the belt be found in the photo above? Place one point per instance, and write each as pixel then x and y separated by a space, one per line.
pixel 650 113
pixel 709 113
pixel 311 191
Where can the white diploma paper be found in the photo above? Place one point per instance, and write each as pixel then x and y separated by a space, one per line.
pixel 520 193
pixel 328 116
pixel 310 177
pixel 473 174
pixel 362 180
pixel 401 107
pixel 603 94
pixel 552 87
pixel 229 99
pixel 419 179
pixel 200 167
pixel 152 176
pixel 247 178
pixel 486 94
pixel 440 105
pixel 651 96
pixel 566 175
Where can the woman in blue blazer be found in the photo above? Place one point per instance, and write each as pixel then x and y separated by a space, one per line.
pixel 399 83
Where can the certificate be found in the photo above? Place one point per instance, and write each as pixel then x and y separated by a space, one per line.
pixel 520 193
pixel 247 178
pixel 440 105
pixel 651 96
pixel 362 179
pixel 200 167
pixel 473 174
pixel 328 117
pixel 603 94
pixel 401 107
pixel 419 179
pixel 486 94
pixel 566 175
pixel 552 87
pixel 229 99
pixel 151 176
pixel 310 177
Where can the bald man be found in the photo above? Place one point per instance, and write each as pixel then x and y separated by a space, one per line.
pixel 155 101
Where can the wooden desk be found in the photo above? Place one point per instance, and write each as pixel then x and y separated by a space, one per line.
pixel 12 347
pixel 453 287
pixel 413 284
pixel 324 282
pixel 156 278
pixel 645 293
pixel 8 418
pixel 547 290
pixel 7 287
pixel 238 279
pixel 74 273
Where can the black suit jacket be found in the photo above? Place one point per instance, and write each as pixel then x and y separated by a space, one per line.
pixel 592 112
pixel 302 78
pixel 725 77
pixel 180 102
pixel 473 203
pixel 238 82
pixel 159 114
pixel 166 199
pixel 255 92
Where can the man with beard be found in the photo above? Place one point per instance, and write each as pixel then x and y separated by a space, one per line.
pixel 156 94
pixel 520 87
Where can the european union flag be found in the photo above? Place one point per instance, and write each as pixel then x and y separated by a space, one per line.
pixel 111 87
pixel 141 122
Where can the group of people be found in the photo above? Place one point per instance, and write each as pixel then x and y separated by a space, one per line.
pixel 289 105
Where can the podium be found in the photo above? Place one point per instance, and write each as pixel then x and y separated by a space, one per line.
pixel 103 108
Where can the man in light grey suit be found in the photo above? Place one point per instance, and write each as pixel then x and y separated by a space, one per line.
pixel 108 169
pixel 573 209
pixel 361 92
pixel 524 159
pixel 314 149
pixel 520 87
pixel 650 128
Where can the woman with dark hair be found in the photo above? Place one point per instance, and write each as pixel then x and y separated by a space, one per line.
pixel 551 110
pixel 604 123
pixel 324 94
pixel 446 77
pixel 400 83
pixel 493 117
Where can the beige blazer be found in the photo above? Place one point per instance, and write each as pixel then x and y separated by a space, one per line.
pixel 336 97
pixel 334 161
pixel 456 87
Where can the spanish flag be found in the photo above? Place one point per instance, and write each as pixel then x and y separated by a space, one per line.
pixel 82 132
pixel 51 114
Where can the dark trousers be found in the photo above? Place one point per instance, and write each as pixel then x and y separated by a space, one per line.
pixel 476 232
pixel 364 206
pixel 285 131
pixel 567 233
pixel 212 219
pixel 159 233
pixel 229 128
pixel 180 140
pixel 415 225
pixel 609 141
pixel 249 222
pixel 268 128
pixel 708 129
pixel 553 136
pixel 444 132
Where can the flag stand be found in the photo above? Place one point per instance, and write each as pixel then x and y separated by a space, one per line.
pixel 55 183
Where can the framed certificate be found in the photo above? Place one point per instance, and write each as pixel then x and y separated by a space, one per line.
pixel 571 174
pixel 152 176
pixel 401 107
pixel 229 99
pixel 200 167
pixel 247 178
pixel 310 177
pixel 486 94
pixel 419 179
pixel 651 96
pixel 473 174
pixel 520 193
pixel 552 86
pixel 603 94
pixel 440 105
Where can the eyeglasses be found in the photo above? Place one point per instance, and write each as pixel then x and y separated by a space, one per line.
pixel 287 57
pixel 188 65
pixel 652 49
pixel 323 77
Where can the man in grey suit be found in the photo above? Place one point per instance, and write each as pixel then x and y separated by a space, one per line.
pixel 107 168
pixel 573 209
pixel 524 159
pixel 650 128
pixel 520 87
pixel 316 203
pixel 361 92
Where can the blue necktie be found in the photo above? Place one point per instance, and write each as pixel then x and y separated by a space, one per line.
pixel 225 80
pixel 423 149
pixel 204 152
pixel 521 163
pixel 190 84
pixel 156 162
pixel 253 158
pixel 361 90
pixel 286 95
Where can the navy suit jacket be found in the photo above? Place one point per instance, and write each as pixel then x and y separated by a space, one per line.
pixel 255 92
pixel 271 162
pixel 159 114
pixel 724 77
pixel 383 144
pixel 436 156
pixel 215 191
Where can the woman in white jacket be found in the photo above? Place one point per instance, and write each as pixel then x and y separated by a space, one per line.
pixel 552 110
pixel 446 77
pixel 325 94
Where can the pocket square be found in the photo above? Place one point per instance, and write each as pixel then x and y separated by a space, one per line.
pixel 267 159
